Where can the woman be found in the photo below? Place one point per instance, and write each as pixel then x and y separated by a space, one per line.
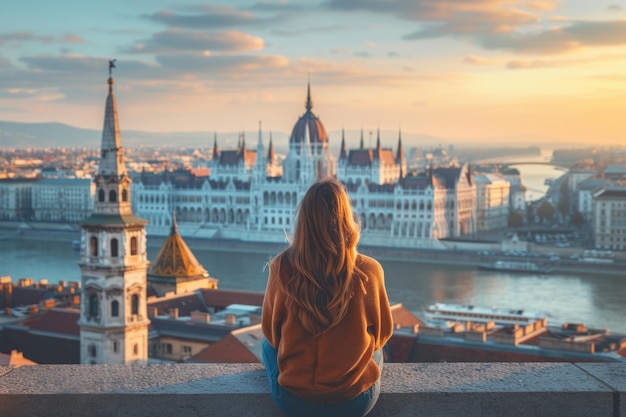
pixel 326 315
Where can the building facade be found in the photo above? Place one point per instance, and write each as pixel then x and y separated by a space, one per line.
pixel 492 201
pixel 113 315
pixel 609 218
pixel 16 199
pixel 66 200
pixel 248 196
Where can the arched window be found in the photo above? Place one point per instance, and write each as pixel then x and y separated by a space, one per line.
pixel 115 308
pixel 114 248
pixel 136 349
pixel 112 196
pixel 124 195
pixel 115 346
pixel 92 350
pixel 134 302
pixel 101 195
pixel 93 246
pixel 93 305
pixel 133 245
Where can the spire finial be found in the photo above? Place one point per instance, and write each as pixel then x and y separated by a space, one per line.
pixel 110 80
pixel 174 225
pixel 309 103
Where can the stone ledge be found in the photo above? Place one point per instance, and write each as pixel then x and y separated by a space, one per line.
pixel 435 389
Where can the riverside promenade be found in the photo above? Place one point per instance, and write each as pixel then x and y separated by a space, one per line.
pixel 466 253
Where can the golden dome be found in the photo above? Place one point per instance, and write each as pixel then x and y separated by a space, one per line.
pixel 175 259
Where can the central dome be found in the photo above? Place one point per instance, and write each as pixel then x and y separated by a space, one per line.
pixel 316 130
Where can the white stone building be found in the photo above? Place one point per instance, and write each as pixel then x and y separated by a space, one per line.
pixel 67 200
pixel 16 201
pixel 492 201
pixel 609 218
pixel 248 196
pixel 113 262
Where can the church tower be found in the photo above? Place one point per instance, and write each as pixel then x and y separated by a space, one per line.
pixel 113 319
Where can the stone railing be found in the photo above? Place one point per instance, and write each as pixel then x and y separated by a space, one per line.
pixel 435 389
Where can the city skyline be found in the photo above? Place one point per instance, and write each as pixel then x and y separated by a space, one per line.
pixel 458 70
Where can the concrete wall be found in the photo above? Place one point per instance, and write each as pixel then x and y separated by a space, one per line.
pixel 434 389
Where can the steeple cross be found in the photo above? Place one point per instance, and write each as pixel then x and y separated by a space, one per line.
pixel 111 65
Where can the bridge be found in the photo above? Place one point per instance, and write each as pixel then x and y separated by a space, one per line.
pixel 507 164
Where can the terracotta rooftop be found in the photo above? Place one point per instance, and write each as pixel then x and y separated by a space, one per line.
pixel 175 259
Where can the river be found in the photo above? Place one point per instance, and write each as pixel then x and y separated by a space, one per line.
pixel 597 301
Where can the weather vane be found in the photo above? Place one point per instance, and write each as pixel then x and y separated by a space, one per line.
pixel 111 65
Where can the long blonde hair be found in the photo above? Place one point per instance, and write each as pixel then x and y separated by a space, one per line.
pixel 321 259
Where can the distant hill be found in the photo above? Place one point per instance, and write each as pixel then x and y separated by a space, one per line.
pixel 41 135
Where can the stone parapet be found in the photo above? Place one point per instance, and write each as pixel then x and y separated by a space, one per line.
pixel 432 389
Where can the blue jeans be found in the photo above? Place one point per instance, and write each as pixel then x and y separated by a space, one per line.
pixel 292 405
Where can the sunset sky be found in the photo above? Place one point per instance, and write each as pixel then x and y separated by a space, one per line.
pixel 455 69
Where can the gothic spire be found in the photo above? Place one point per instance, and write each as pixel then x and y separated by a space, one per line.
pixel 260 143
pixel 111 152
pixel 309 103
pixel 400 152
pixel 342 152
pixel 270 152
pixel 216 149
pixel 362 145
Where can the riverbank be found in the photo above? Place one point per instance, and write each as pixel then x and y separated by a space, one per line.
pixel 67 233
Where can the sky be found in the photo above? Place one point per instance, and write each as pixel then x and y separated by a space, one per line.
pixel 503 70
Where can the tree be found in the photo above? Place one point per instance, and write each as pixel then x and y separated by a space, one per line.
pixel 545 210
pixel 516 219
pixel 563 204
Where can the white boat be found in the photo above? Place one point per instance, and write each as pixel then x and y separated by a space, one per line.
pixel 444 313
pixel 515 266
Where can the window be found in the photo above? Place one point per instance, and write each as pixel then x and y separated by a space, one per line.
pixel 115 346
pixel 133 245
pixel 114 248
pixel 124 195
pixel 112 196
pixel 93 246
pixel 93 305
pixel 101 195
pixel 92 350
pixel 115 308
pixel 134 304
pixel 136 349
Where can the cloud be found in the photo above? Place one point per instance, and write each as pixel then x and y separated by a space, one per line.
pixel 18 37
pixel 191 62
pixel 266 6
pixel 555 63
pixel 72 38
pixel 393 54
pixel 77 64
pixel 451 17
pixel 38 94
pixel 363 54
pixel 181 40
pixel 615 8
pixel 562 39
pixel 209 17
pixel 478 60
pixel 304 31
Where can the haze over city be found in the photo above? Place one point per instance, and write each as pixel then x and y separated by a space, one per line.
pixel 461 70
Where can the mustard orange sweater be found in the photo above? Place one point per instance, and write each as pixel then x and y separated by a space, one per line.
pixel 336 365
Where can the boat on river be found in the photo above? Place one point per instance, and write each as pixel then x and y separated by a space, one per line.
pixel 452 313
pixel 515 266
